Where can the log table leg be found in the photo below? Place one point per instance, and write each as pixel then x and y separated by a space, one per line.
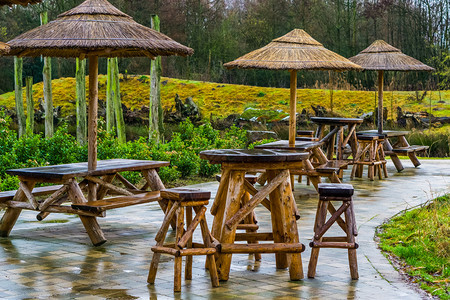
pixel 234 195
pixel 12 214
pixel 289 206
pixel 397 162
pixel 90 223
pixel 279 228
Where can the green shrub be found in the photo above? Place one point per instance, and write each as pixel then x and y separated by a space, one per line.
pixel 169 174
pixel 439 141
pixel 8 183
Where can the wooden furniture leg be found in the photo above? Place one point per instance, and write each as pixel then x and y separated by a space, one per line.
pixel 90 223
pixel 12 214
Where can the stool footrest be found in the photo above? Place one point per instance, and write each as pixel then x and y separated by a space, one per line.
pixel 183 252
pixel 262 248
pixel 254 236
pixel 248 226
pixel 342 245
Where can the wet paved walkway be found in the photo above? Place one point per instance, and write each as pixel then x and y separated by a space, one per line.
pixel 56 260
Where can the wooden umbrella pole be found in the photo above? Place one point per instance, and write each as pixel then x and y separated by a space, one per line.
pixel 93 108
pixel 92 123
pixel 380 102
pixel 293 109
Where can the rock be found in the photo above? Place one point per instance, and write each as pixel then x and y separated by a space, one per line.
pixel 188 109
pixel 254 136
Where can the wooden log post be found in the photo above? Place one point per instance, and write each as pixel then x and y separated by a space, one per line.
pixel 293 109
pixel 48 97
pixel 12 214
pixel 380 101
pixel 120 123
pixel 30 105
pixel 93 230
pixel 21 121
pixel 92 125
pixel 156 125
pixel 109 97
pixel 81 101
pixel 234 195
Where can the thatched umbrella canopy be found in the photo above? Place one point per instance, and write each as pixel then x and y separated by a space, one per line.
pixel 94 29
pixel 380 56
pixel 294 51
pixel 21 2
pixel 4 48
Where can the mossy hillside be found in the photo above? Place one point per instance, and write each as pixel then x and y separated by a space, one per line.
pixel 222 100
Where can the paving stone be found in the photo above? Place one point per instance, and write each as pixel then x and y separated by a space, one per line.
pixel 57 261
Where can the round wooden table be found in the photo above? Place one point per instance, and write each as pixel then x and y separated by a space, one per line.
pixel 230 208
pixel 337 126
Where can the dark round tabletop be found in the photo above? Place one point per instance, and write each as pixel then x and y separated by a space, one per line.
pixel 253 156
pixel 336 121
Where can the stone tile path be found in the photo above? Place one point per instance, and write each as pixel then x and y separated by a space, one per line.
pixel 54 259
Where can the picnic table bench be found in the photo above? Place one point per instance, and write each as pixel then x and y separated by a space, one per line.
pixel 399 147
pixel 106 180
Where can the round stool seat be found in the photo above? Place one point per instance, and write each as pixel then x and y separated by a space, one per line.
pixel 185 194
pixel 370 137
pixel 336 189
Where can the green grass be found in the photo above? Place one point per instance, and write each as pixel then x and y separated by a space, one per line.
pixel 222 100
pixel 420 240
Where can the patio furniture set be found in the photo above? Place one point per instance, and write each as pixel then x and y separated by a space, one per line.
pixel 108 32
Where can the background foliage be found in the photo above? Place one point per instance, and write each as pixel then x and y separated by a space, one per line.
pixel 222 30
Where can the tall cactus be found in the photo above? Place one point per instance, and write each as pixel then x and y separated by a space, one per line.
pixel 48 98
pixel 109 97
pixel 30 105
pixel 156 118
pixel 18 67
pixel 117 102
pixel 81 101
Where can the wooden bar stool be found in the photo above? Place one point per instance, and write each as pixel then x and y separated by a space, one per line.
pixel 370 153
pixel 179 200
pixel 250 223
pixel 329 192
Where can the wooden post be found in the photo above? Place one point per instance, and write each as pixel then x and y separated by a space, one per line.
pixel 48 98
pixel 30 105
pixel 293 109
pixel 380 102
pixel 18 66
pixel 109 97
pixel 92 125
pixel 331 75
pixel 156 125
pixel 117 102
pixel 81 101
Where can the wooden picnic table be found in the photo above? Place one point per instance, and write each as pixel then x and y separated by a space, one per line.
pixel 67 188
pixel 230 208
pixel 314 167
pixel 399 147
pixel 337 128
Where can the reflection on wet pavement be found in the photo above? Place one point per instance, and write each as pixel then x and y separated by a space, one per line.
pixel 56 260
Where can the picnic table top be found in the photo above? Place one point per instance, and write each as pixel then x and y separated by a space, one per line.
pixel 253 155
pixel 388 133
pixel 284 144
pixel 336 121
pixel 67 171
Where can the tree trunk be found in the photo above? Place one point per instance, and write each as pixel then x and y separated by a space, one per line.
pixel 18 66
pixel 117 103
pixel 109 97
pixel 30 105
pixel 48 98
pixel 156 118
pixel 81 101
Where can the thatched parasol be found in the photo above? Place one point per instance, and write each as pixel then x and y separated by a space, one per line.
pixel 21 2
pixel 380 56
pixel 294 51
pixel 4 48
pixel 94 29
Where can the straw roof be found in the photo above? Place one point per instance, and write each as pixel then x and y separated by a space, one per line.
pixel 4 48
pixel 21 2
pixel 95 27
pixel 296 50
pixel 383 57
